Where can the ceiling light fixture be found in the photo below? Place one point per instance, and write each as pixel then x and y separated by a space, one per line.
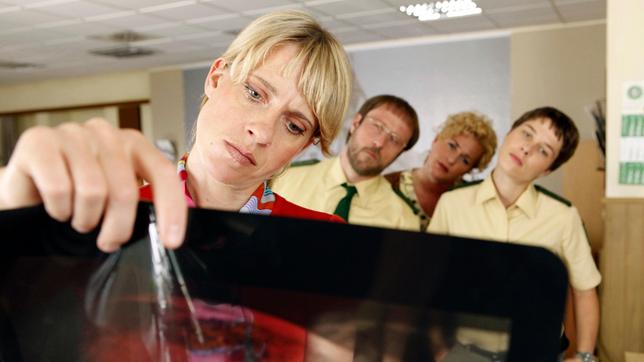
pixel 442 9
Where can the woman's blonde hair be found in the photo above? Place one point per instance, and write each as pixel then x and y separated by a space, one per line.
pixel 325 79
pixel 476 124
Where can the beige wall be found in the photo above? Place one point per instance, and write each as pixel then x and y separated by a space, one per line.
pixel 167 106
pixel 562 67
pixel 69 92
pixel 625 60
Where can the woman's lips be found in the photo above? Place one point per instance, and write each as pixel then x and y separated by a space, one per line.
pixel 245 158
pixel 443 167
pixel 516 159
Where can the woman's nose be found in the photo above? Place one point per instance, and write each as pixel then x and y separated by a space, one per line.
pixel 262 129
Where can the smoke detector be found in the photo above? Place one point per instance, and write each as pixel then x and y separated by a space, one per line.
pixel 127 36
pixel 126 49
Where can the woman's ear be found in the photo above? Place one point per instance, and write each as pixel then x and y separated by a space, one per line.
pixel 214 75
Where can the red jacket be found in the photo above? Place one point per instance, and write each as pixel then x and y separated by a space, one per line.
pixel 281 207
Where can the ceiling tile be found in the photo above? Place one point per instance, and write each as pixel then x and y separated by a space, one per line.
pixel 329 22
pixel 395 31
pixel 7 25
pixel 21 2
pixel 374 17
pixel 582 10
pixel 225 23
pixel 86 28
pixel 35 36
pixel 248 5
pixel 491 5
pixel 188 12
pixel 78 9
pixel 337 8
pixel 176 46
pixel 207 39
pixel 535 16
pixel 132 4
pixel 261 11
pixel 80 45
pixel 168 29
pixel 462 24
pixel 358 36
pixel 29 17
pixel 130 21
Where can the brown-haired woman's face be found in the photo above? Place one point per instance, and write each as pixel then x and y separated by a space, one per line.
pixel 450 158
pixel 529 150
pixel 247 132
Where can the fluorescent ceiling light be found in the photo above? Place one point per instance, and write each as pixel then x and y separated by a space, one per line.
pixel 441 9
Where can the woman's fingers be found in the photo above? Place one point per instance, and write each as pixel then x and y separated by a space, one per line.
pixel 169 200
pixel 122 161
pixel 87 172
pixel 88 178
pixel 122 189
pixel 39 173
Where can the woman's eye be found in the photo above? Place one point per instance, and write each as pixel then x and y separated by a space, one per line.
pixel 252 93
pixel 294 128
pixel 452 145
pixel 466 162
pixel 544 152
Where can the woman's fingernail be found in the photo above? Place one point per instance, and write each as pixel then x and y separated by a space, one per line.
pixel 173 237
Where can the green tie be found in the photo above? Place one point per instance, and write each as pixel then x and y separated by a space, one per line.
pixel 344 205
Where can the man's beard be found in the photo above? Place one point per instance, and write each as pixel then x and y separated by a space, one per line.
pixel 373 167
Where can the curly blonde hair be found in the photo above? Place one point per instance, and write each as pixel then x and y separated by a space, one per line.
pixel 476 124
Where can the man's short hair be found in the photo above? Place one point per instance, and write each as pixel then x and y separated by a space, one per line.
pixel 475 124
pixel 565 130
pixel 399 106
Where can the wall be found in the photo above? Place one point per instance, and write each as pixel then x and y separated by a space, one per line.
pixel 167 107
pixel 625 60
pixel 103 88
pixel 622 288
pixel 563 67
pixel 437 79
pixel 193 86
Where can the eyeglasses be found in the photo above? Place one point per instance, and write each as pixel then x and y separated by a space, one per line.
pixel 376 128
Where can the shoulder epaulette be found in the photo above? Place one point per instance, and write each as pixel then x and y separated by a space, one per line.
pixel 406 199
pixel 547 192
pixel 304 163
pixel 465 184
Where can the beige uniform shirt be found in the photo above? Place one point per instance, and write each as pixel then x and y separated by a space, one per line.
pixel 318 187
pixel 537 218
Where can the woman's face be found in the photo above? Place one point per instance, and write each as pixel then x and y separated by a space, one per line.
pixel 529 150
pixel 452 157
pixel 248 132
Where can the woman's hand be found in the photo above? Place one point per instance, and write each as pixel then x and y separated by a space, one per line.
pixel 89 171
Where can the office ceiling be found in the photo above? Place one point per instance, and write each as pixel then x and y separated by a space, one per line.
pixel 43 39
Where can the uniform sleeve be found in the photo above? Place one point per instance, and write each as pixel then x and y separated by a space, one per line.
pixel 577 254
pixel 438 223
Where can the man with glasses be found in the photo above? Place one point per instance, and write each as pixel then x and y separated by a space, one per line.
pixel 350 185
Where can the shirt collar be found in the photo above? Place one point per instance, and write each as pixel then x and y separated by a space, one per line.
pixel 337 177
pixel 527 202
pixel 486 191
